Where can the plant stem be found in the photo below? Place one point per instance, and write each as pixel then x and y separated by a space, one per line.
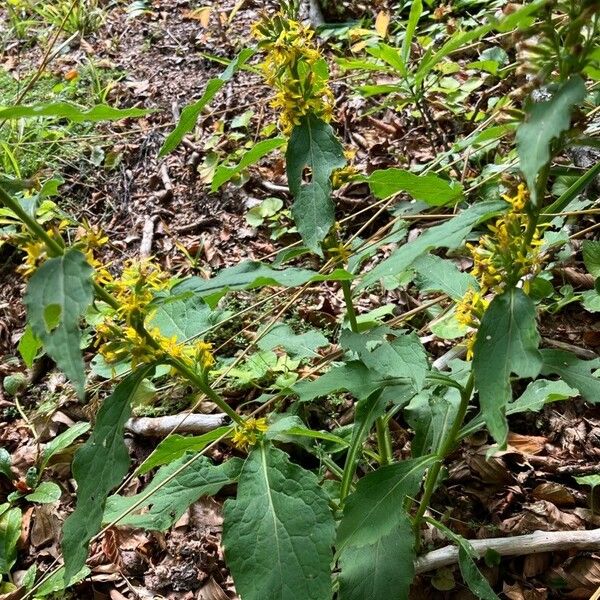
pixel 384 441
pixel 202 385
pixel 446 446
pixel 350 311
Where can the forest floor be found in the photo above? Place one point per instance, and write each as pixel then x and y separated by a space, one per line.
pixel 162 59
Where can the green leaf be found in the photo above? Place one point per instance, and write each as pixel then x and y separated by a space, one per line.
pixel 590 300
pixel 382 570
pixel 431 416
pixel 437 274
pixel 544 122
pixel 353 377
pixel 507 342
pixel 10 531
pixel 6 463
pixel 269 207
pixel 537 394
pixel 431 189
pixel 29 346
pixel 402 358
pixel 591 256
pixel 64 110
pixel 416 9
pixel 183 316
pixel 448 235
pixel 45 493
pixel 190 114
pixel 576 372
pixel 61 288
pixel 165 505
pixel 62 442
pixel 313 144
pixel 303 345
pixel 175 446
pixel 375 508
pixel 366 412
pixel 250 275
pixel 477 583
pixel 309 433
pixel 224 174
pixel 279 531
pixel 57 583
pixel 99 465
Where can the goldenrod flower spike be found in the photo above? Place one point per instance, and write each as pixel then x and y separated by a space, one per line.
pixel 291 67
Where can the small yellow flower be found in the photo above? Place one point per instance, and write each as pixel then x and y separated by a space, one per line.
pixel 35 252
pixel 470 344
pixel 519 200
pixel 249 433
pixel 340 253
pixel 204 355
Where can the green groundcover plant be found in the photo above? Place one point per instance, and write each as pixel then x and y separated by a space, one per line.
pixel 350 527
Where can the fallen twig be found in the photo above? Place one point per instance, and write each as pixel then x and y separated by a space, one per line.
pixel 519 545
pixel 163 426
pixel 147 237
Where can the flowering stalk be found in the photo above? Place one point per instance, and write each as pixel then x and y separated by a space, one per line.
pixel 56 248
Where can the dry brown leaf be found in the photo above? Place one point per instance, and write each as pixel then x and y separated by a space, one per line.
pixel 536 564
pixel 382 22
pixel 544 516
pixel 519 592
pixel 527 444
pixel 493 470
pixel 211 590
pixel 111 543
pixel 45 526
pixel 201 14
pixel 554 492
pixel 580 572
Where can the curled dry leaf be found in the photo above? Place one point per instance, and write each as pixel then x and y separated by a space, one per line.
pixel 543 516
pixel 581 572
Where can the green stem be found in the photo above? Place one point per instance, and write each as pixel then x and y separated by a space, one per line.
pixel 350 311
pixel 446 446
pixel 384 441
pixel 202 385
pixel 57 249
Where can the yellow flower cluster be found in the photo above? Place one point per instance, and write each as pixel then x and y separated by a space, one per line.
pixel 295 68
pixel 500 257
pixel 504 255
pixel 346 174
pixel 35 250
pixel 117 344
pixel 249 433
pixel 118 336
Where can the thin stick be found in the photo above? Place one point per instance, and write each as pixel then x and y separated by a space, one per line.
pixel 519 545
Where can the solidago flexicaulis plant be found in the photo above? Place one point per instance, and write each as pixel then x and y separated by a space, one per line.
pixel 287 534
